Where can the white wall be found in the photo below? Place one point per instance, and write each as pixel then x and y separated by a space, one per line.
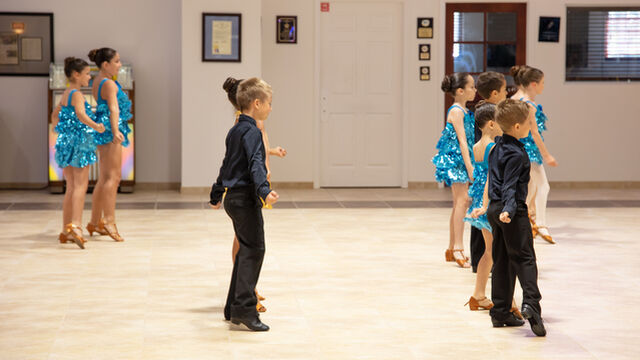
pixel 289 68
pixel 591 126
pixel 206 112
pixel 147 35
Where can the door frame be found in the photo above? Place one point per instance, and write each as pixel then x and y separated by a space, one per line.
pixel 317 140
pixel 520 8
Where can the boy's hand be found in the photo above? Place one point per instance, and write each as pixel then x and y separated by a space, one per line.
pixel 272 198
pixel 280 152
pixel 504 217
pixel 216 206
pixel 551 161
pixel 476 213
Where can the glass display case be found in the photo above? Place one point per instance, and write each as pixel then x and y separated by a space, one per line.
pixel 57 86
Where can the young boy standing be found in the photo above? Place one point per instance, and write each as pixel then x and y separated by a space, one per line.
pixel 513 252
pixel 243 176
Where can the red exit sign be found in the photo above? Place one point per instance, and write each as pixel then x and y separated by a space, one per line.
pixel 324 6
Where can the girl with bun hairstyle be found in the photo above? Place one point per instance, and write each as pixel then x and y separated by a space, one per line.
pixel 231 87
pixel 454 160
pixel 75 147
pixel 515 72
pixel 532 82
pixel 114 111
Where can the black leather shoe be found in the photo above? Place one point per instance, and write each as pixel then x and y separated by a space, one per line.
pixel 535 320
pixel 253 324
pixel 511 320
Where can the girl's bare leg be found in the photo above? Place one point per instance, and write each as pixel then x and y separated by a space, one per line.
pixel 67 204
pixel 484 266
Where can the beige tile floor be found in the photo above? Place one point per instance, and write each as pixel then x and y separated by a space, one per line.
pixel 340 283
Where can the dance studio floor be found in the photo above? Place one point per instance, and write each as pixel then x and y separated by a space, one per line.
pixel 348 274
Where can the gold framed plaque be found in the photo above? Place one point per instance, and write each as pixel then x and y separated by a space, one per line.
pixel 424 52
pixel 425 73
pixel 425 28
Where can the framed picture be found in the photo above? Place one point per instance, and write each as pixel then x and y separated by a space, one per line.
pixel 425 28
pixel 221 37
pixel 26 43
pixel 286 29
pixel 425 73
pixel 549 29
pixel 424 52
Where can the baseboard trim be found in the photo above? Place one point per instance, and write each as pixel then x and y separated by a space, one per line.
pixel 150 186
pixel 302 185
pixel 23 186
pixel 422 185
pixel 594 184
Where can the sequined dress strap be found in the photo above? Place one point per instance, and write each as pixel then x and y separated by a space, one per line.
pixel 70 97
pixel 487 150
pixel 456 106
pixel 100 89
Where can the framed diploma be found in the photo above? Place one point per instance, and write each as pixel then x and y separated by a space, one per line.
pixel 425 73
pixel 26 43
pixel 424 52
pixel 221 37
pixel 425 28
pixel 286 29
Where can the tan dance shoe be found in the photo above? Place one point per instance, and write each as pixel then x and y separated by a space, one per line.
pixel 544 233
pixel 70 234
pixel 479 304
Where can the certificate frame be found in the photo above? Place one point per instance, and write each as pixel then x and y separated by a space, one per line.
pixel 425 28
pixel 424 51
pixel 15 27
pixel 221 37
pixel 549 30
pixel 286 29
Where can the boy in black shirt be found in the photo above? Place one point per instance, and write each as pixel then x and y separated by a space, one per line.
pixel 243 176
pixel 513 252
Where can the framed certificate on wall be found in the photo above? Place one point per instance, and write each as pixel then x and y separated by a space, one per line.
pixel 26 43
pixel 221 37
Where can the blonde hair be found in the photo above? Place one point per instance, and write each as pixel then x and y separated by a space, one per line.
pixel 510 112
pixel 250 90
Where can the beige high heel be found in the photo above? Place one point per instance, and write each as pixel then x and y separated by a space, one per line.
pixel 479 304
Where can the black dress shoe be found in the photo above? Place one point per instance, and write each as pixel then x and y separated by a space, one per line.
pixel 511 320
pixel 253 324
pixel 535 320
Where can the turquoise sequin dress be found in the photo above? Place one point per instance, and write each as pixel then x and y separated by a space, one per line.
pixel 449 162
pixel 530 145
pixel 75 145
pixel 476 190
pixel 103 116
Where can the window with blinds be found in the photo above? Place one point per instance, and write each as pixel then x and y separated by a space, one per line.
pixel 603 44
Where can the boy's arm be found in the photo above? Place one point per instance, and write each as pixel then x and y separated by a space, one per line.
pixel 217 190
pixel 254 148
pixel 512 169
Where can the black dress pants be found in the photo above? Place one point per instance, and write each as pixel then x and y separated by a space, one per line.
pixel 477 247
pixel 513 254
pixel 245 210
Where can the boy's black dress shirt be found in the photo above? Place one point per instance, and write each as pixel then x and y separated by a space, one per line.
pixel 508 173
pixel 244 161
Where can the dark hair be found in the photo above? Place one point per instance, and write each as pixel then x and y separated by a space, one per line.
pixel 488 82
pixel 510 112
pixel 515 71
pixel 72 64
pixel 101 55
pixel 484 113
pixel 231 87
pixel 453 82
pixel 529 75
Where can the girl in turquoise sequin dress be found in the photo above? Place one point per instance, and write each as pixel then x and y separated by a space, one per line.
pixel 532 81
pixel 75 147
pixel 114 111
pixel 454 160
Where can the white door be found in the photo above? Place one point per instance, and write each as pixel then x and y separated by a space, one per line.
pixel 361 94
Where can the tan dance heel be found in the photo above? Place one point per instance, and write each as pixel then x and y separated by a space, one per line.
pixel 464 262
pixel 75 237
pixel 114 235
pixel 481 304
pixel 91 228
